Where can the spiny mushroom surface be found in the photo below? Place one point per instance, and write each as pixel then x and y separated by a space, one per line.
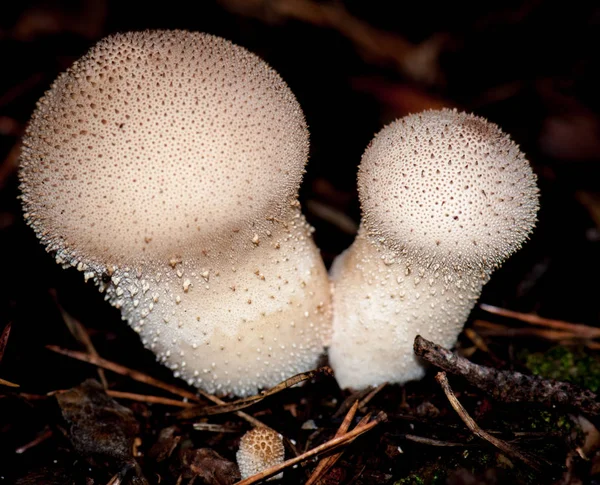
pixel 260 448
pixel 165 165
pixel 446 198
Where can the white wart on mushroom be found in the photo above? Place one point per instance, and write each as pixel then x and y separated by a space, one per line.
pixel 165 165
pixel 446 198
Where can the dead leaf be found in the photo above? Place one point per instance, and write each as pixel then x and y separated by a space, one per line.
pixel 168 439
pixel 100 428
pixel 211 467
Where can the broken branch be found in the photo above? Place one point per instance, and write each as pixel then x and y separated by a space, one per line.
pixel 508 386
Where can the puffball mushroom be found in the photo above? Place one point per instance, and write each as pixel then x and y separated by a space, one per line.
pixel 165 165
pixel 260 448
pixel 446 197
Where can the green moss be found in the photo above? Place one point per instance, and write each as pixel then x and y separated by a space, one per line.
pixel 549 420
pixel 429 478
pixel 567 365
pixel 412 479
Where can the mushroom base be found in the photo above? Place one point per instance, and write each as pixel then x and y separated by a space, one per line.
pixel 234 318
pixel 381 301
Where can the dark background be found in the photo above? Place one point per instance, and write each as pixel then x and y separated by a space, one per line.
pixel 530 66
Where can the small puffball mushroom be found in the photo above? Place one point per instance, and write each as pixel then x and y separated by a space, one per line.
pixel 165 165
pixel 260 448
pixel 446 198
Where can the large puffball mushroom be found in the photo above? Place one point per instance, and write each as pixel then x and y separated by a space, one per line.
pixel 260 448
pixel 446 198
pixel 165 165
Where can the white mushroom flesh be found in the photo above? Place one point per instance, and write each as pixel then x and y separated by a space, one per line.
pixel 446 198
pixel 165 165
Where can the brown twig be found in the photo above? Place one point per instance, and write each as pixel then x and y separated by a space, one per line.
pixel 333 216
pixel 579 329
pixel 146 379
pixel 498 330
pixel 4 382
pixel 363 397
pixel 490 329
pixel 115 480
pixel 148 399
pixel 41 437
pixel 249 401
pixel 328 446
pixel 474 337
pixel 349 402
pixel 4 338
pixel 27 396
pixel 326 463
pixel 124 371
pixel 81 335
pixel 503 446
pixel 332 460
pixel 431 442
pixel 367 399
pixel 216 428
pixel 508 386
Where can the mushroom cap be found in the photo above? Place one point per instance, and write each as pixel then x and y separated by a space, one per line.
pixel 448 187
pixel 260 448
pixel 153 123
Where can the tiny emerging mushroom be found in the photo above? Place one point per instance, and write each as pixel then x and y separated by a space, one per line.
pixel 260 448
pixel 446 197
pixel 165 165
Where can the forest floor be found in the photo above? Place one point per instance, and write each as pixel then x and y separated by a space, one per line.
pixel 82 401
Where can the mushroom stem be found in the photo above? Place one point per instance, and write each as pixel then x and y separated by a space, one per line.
pixel 402 300
pixel 261 316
